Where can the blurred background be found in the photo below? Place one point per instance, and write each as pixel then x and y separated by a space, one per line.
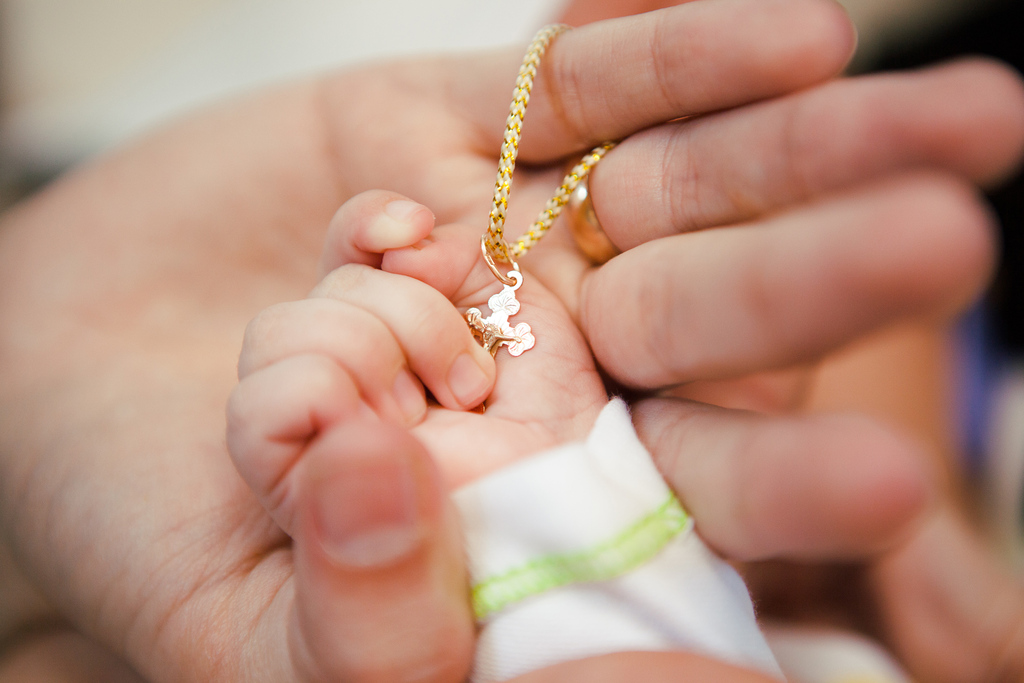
pixel 78 77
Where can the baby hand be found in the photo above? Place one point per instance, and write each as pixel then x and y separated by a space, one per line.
pixel 381 326
pixel 362 345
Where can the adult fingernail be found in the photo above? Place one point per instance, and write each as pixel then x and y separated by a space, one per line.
pixel 467 381
pixel 409 395
pixel 367 514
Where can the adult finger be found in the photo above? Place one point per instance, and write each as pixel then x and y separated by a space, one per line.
pixel 966 117
pixel 950 609
pixel 650 667
pixel 818 487
pixel 63 656
pixel 605 81
pixel 434 337
pixel 721 303
pixel 380 592
pixel 354 338
pixel 579 12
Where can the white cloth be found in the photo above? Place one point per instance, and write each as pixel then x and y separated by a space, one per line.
pixel 559 529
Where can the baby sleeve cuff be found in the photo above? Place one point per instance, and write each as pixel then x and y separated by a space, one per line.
pixel 583 550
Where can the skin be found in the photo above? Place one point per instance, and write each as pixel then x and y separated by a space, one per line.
pixel 132 281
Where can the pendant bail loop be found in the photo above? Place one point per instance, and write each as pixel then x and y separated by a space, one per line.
pixel 489 260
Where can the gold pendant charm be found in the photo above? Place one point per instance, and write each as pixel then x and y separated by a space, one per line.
pixel 494 331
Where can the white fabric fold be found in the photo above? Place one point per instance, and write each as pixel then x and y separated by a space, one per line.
pixel 582 550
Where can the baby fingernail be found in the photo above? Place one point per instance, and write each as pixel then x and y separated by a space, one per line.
pixel 403 210
pixel 396 227
pixel 367 514
pixel 467 381
pixel 409 395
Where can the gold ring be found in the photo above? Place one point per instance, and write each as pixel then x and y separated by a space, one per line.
pixel 586 229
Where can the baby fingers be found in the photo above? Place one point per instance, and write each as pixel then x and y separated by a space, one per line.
pixel 355 339
pixel 371 223
pixel 428 329
pixel 273 415
pixel 432 334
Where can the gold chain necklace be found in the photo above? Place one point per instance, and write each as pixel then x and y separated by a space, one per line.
pixel 494 331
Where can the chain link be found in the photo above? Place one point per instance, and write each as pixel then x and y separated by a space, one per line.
pixel 494 242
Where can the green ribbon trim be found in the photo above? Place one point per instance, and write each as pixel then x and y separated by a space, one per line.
pixel 633 547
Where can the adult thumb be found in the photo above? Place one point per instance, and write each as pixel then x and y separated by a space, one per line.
pixel 380 585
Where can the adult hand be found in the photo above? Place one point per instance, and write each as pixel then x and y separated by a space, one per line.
pixel 131 282
pixel 941 599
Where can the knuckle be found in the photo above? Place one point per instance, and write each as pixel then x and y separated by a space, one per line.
pixel 341 280
pixel 803 133
pixel 681 196
pixel 325 380
pixel 259 333
pixel 434 321
pixel 239 417
pixel 665 60
pixel 661 336
pixel 265 321
pixel 564 89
